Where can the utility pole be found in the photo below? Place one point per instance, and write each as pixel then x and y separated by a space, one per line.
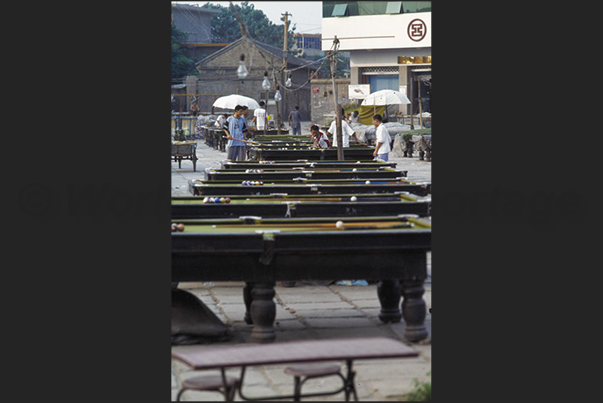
pixel 283 73
pixel 333 60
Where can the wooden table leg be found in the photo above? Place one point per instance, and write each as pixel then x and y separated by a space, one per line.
pixel 263 312
pixel 414 310
pixel 389 294
pixel 413 305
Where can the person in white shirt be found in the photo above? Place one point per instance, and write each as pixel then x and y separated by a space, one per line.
pixel 346 133
pixel 221 120
pixel 383 139
pixel 259 117
pixel 354 117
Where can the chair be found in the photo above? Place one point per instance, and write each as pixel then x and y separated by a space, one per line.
pixel 211 383
pixel 304 372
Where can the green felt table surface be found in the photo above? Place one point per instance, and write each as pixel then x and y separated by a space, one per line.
pixel 259 225
pixel 277 199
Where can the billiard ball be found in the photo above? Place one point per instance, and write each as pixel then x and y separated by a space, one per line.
pixel 180 227
pixel 212 199
pixel 368 182
pixel 339 224
pixel 353 198
pixel 227 200
pixel 221 200
pixel 354 170
pixel 174 227
pixel 357 162
pixel 261 183
pixel 205 200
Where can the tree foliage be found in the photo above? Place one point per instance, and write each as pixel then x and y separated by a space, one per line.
pixel 181 65
pixel 225 26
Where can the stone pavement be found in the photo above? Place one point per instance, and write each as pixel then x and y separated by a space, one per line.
pixel 309 311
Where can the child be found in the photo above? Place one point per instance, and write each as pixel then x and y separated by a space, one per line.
pixel 320 139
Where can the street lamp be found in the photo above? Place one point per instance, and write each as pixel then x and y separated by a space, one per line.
pixel 242 70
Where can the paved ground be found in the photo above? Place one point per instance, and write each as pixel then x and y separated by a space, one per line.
pixel 310 312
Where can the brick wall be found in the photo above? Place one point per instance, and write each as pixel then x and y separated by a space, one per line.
pixel 322 98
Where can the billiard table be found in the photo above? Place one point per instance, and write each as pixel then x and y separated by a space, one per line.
pixel 259 136
pixel 214 137
pixel 211 188
pixel 391 250
pixel 272 133
pixel 279 206
pixel 349 153
pixel 349 173
pixel 304 163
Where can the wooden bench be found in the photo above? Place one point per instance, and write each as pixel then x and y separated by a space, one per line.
pixel 303 351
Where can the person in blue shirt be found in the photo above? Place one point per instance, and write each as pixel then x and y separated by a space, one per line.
pixel 233 128
pixel 295 120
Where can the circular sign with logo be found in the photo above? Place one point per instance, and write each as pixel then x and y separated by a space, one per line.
pixel 417 30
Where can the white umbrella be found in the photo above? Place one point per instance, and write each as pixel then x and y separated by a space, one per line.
pixel 386 97
pixel 231 101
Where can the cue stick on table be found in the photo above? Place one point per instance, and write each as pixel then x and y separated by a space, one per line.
pixel 244 141
pixel 361 225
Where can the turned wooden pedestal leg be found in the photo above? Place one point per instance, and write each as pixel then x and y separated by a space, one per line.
pixel 414 309
pixel 263 312
pixel 389 294
pixel 410 289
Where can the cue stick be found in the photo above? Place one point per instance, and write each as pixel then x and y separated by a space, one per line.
pixel 356 225
pixel 244 141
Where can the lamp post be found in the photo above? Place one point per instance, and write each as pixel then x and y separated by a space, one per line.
pixel 266 88
pixel 277 99
pixel 338 131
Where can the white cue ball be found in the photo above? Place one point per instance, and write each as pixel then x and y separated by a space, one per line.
pixel 354 170
pixel 353 198
pixel 339 224
pixel 368 182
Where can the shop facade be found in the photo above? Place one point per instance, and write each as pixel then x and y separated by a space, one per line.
pixel 389 45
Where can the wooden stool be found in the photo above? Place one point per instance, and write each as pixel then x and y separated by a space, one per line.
pixel 303 372
pixel 211 383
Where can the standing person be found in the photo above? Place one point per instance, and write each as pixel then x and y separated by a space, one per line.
pixel 234 133
pixel 383 139
pixel 259 117
pixel 221 120
pixel 346 132
pixel 295 120
pixel 194 109
pixel 320 139
pixel 246 128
